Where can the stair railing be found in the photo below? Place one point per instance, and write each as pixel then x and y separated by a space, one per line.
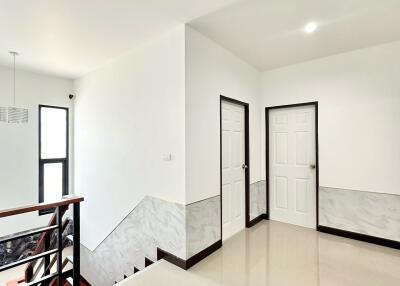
pixel 42 250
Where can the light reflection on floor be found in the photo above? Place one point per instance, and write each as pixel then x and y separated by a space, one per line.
pixel 277 254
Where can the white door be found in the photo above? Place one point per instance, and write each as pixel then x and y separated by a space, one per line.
pixel 233 173
pixel 292 165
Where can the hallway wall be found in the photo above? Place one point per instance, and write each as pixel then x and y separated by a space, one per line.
pixel 161 98
pixel 129 135
pixel 359 101
pixel 212 71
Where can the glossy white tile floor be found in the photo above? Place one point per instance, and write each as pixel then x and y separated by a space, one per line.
pixel 277 254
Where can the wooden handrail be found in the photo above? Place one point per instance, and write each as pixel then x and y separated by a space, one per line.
pixel 66 200
pixel 56 223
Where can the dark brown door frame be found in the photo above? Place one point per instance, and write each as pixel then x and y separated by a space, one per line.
pixel 246 154
pixel 267 109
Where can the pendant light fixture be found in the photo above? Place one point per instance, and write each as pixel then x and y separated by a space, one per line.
pixel 13 114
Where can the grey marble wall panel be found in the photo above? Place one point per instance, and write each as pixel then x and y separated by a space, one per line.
pixel 258 199
pixel 368 213
pixel 153 223
pixel 203 224
pixel 181 230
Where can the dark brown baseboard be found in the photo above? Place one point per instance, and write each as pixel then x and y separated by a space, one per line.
pixel 203 254
pixel 162 254
pixel 256 220
pixel 360 236
pixel 186 264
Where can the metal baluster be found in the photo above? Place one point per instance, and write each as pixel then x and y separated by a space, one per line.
pixel 59 245
pixel 47 237
pixel 76 271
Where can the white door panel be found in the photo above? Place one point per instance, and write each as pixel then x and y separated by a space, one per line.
pixel 233 175
pixel 292 153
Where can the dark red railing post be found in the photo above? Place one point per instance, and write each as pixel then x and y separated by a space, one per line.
pixel 77 244
pixel 47 237
pixel 59 245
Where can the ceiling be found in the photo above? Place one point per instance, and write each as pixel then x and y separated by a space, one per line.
pixel 69 38
pixel 269 33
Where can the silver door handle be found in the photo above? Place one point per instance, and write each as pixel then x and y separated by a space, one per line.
pixel 244 166
pixel 312 166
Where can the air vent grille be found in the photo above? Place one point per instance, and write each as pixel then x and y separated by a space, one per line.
pixel 3 114
pixel 14 115
pixel 17 115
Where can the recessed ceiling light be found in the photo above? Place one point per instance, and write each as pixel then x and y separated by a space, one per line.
pixel 310 28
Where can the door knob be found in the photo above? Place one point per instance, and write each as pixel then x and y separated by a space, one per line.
pixel 244 166
pixel 312 166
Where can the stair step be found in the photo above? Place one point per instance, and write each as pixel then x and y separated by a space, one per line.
pixel 147 262
pixel 70 259
pixel 70 281
pixel 135 270
pixel 125 276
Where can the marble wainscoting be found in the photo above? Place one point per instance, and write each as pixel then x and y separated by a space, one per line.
pixel 258 199
pixel 153 223
pixel 203 225
pixel 373 214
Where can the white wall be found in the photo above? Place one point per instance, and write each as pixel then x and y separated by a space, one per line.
pixel 359 114
pixel 212 71
pixel 128 115
pixel 19 143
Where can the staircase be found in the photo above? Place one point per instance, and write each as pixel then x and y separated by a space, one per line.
pixel 147 263
pixel 48 253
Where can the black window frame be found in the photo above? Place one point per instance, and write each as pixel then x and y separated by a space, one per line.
pixel 63 161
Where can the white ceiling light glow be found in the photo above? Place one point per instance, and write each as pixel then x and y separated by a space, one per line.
pixel 310 28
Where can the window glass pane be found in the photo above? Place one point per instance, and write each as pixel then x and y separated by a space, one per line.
pixel 52 181
pixel 53 131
